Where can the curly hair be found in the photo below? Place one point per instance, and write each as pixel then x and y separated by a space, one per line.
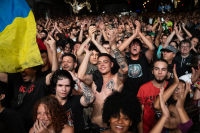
pixel 59 75
pixel 57 113
pixel 124 103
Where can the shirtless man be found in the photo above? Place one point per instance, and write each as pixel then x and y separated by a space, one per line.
pixel 110 82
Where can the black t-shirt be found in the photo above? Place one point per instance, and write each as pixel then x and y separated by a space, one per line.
pixel 45 73
pixel 179 71
pixel 74 111
pixel 115 67
pixel 155 51
pixel 13 120
pixel 138 74
pixel 16 86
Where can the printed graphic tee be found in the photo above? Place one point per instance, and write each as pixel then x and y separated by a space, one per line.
pixel 74 111
pixel 91 68
pixel 147 94
pixel 138 74
pixel 38 90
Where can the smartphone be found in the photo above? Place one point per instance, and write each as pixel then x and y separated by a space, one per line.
pixel 162 19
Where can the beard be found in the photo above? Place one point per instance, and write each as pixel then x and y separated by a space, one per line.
pixel 160 80
pixel 75 35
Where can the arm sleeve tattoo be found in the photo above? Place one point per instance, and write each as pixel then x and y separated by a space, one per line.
pixel 87 93
pixel 121 60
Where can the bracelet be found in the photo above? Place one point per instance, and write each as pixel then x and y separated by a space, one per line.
pixel 196 85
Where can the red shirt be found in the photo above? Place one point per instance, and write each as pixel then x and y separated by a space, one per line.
pixel 41 44
pixel 147 94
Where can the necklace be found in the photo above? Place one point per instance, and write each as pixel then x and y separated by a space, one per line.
pixel 157 86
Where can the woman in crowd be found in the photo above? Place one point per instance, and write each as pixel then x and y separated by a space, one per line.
pixel 181 112
pixel 50 117
pixel 121 112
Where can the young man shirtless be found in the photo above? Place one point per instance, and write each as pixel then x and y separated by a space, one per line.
pixel 110 82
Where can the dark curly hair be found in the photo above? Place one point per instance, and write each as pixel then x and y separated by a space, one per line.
pixel 124 103
pixel 57 113
pixel 59 75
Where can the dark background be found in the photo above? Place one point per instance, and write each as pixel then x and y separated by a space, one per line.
pixel 59 7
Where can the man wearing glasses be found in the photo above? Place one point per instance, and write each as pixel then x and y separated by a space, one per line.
pixel 184 58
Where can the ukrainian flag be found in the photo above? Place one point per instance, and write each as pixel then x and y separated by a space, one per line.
pixel 18 47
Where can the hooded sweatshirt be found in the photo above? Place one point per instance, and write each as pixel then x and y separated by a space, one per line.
pixel 183 62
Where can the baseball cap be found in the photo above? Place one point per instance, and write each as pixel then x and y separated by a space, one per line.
pixel 169 48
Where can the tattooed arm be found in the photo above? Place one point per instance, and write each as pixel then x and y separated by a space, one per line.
pixel 121 60
pixel 88 96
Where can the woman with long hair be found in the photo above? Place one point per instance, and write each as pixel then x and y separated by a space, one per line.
pixel 50 117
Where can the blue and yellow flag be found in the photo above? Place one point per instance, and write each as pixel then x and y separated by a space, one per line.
pixel 18 47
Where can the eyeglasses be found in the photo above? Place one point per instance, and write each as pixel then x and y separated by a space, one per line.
pixel 185 46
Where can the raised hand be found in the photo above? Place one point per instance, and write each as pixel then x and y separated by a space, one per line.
pixel 176 80
pixel 111 37
pixel 165 111
pixel 39 127
pixel 73 76
pixel 183 25
pixel 158 20
pixel 175 27
pixel 86 49
pixel 82 25
pixel 92 29
pixel 51 43
pixel 138 26
pixel 101 26
pixel 56 24
pixel 195 75
pixel 130 24
pixel 182 95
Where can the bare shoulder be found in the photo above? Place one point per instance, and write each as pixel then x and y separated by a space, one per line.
pixel 31 130
pixel 67 129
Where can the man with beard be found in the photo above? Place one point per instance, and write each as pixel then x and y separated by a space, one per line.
pixel 69 63
pixel 148 92
pixel 73 34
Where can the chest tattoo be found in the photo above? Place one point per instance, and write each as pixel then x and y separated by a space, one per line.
pixel 110 84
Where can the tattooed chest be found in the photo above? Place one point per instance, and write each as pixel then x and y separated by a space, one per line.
pixel 110 85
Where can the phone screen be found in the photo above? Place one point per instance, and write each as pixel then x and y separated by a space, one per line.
pixel 162 19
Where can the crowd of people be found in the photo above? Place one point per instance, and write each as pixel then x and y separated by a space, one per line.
pixel 108 74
